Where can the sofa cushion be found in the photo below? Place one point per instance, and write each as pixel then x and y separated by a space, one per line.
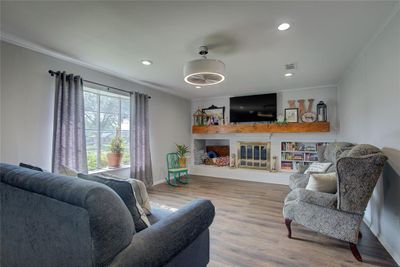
pixel 322 182
pixel 139 188
pixel 312 197
pixel 127 194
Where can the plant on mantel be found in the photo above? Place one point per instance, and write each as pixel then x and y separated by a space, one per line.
pixel 182 151
pixel 281 123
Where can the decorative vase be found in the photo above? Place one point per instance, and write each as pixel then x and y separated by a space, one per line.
pixel 309 116
pixel 233 160
pixel 182 162
pixel 302 107
pixel 292 103
pixel 114 160
pixel 273 165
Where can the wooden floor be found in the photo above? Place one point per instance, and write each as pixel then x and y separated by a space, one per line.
pixel 248 228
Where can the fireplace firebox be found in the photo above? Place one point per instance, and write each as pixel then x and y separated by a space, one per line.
pixel 254 155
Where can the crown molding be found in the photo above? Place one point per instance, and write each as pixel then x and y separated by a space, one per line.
pixel 308 88
pixel 12 39
pixel 267 92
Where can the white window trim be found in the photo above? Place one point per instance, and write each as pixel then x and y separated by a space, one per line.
pixel 99 93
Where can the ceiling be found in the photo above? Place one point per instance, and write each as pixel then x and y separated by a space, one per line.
pixel 324 38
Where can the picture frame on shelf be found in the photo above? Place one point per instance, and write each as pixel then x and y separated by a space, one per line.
pixel 292 114
pixel 216 115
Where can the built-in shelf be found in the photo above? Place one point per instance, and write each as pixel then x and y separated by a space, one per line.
pixel 298 153
pixel 309 127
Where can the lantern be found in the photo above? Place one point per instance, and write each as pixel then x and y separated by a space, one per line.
pixel 322 111
pixel 199 118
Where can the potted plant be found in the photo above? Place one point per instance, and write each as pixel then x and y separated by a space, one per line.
pixel 116 150
pixel 182 151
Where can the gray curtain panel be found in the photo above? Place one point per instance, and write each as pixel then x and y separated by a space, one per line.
pixel 140 139
pixel 69 144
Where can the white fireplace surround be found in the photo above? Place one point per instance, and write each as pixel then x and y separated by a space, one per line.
pixel 248 174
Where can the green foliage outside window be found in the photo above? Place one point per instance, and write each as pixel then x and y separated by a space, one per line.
pixel 92 160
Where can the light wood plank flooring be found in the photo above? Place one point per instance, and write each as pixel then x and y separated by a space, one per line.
pixel 248 228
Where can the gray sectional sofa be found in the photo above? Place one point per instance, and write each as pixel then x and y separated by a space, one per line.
pixel 51 220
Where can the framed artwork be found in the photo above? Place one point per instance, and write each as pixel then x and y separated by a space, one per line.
pixel 216 115
pixel 292 114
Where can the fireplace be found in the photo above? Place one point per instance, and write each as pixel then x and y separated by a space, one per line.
pixel 254 155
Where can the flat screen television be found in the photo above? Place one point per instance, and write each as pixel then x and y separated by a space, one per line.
pixel 253 108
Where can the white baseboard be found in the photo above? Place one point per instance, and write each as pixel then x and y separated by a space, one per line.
pixel 385 244
pixel 158 182
pixel 241 174
pixel 238 174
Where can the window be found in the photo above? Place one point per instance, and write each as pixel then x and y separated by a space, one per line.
pixel 105 112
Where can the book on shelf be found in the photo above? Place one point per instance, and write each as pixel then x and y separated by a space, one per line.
pixel 294 154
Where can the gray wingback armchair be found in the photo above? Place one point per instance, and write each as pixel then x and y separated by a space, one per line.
pixel 338 215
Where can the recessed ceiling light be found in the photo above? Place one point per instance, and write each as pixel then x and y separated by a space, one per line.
pixel 147 62
pixel 288 75
pixel 198 87
pixel 284 26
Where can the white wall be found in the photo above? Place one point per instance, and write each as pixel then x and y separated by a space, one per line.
pixel 369 110
pixel 27 100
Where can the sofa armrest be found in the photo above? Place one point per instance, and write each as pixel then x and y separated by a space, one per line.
pixel 161 242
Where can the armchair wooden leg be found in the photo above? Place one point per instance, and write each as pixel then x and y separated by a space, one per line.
pixel 354 250
pixel 288 222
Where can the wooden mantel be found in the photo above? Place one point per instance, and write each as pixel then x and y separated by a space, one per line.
pixel 310 127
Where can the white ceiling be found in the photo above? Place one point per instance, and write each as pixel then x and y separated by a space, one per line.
pixel 325 37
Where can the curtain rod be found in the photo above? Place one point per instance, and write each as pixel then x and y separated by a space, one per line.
pixel 52 73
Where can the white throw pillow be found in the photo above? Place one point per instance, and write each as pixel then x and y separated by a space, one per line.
pixel 323 182
pixel 318 167
pixel 67 171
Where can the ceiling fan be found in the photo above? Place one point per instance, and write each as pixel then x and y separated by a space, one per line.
pixel 204 71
